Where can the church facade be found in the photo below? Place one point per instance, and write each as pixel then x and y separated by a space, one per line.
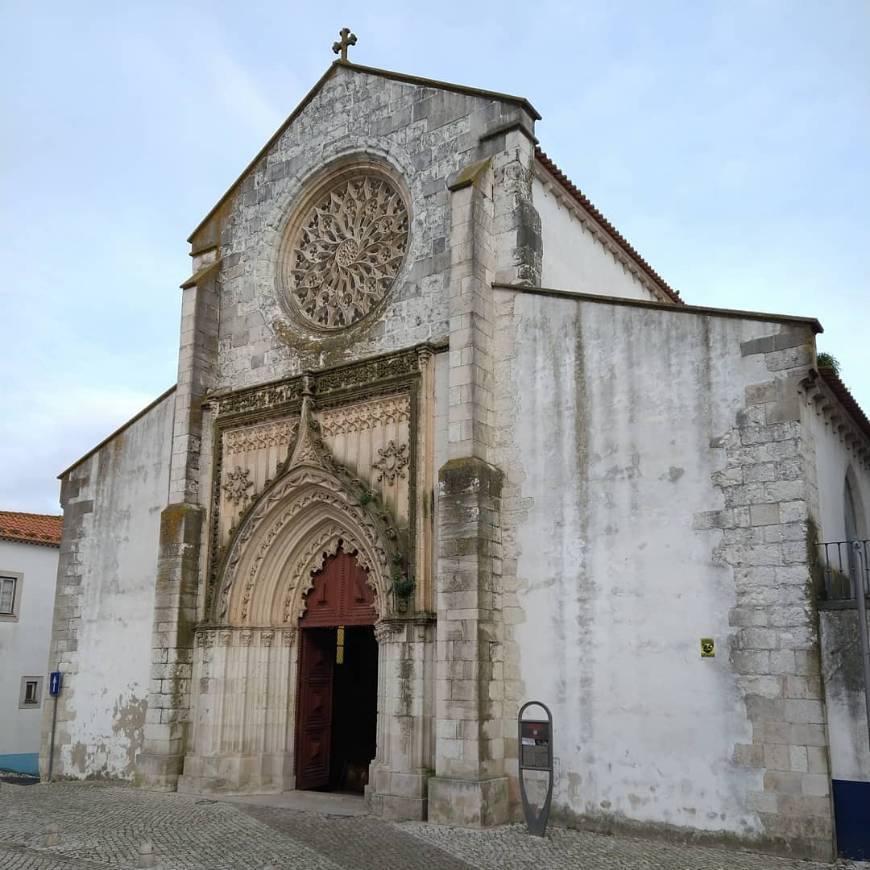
pixel 442 442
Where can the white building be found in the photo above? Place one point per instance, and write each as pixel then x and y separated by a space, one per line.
pixel 29 546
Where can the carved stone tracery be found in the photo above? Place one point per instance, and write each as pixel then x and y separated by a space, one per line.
pixel 365 415
pixel 303 517
pixel 258 437
pixel 347 249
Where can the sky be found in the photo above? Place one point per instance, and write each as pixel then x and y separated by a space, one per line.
pixel 728 141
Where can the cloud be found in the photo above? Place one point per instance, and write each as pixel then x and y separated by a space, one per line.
pixel 51 429
pixel 239 93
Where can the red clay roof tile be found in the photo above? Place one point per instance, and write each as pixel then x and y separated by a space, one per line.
pixel 31 528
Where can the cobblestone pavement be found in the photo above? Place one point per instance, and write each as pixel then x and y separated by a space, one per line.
pixel 84 826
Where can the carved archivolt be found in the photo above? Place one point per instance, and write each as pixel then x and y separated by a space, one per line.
pixel 301 519
pixel 365 415
pixel 345 248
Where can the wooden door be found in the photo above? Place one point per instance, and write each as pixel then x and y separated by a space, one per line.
pixel 340 595
pixel 314 733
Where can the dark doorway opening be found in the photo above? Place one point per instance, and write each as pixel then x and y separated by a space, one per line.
pixel 338 679
pixel 338 708
pixel 354 710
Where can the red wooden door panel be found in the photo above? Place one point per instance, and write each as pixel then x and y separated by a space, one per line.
pixel 341 595
pixel 314 731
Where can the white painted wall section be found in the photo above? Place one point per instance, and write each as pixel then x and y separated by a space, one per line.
pixel 609 458
pixel 24 643
pixel 125 485
pixel 841 662
pixel 573 259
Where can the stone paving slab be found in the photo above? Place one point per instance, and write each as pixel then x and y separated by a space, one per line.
pixel 354 843
pixel 95 826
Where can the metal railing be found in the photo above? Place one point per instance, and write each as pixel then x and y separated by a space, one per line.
pixel 841 563
pixel 849 577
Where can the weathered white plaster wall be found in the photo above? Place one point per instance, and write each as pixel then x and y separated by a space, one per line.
pixel 833 460
pixel 24 642
pixel 841 649
pixel 844 695
pixel 573 259
pixel 104 609
pixel 609 417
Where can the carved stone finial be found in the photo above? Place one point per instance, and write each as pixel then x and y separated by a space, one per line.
pixel 347 38
pixel 309 448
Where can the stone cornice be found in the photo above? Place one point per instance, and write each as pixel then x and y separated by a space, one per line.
pixel 827 404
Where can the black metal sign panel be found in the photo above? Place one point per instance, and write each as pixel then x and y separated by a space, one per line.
pixel 535 746
pixel 536 754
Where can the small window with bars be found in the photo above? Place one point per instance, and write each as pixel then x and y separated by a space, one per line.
pixel 31 692
pixel 7 595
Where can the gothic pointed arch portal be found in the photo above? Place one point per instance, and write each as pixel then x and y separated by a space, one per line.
pixel 268 612
pixel 300 520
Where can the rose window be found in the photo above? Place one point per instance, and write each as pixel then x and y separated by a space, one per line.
pixel 347 250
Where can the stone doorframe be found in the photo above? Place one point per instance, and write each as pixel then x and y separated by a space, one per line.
pixel 244 685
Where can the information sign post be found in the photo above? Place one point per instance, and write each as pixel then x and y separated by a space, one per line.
pixel 55 681
pixel 536 753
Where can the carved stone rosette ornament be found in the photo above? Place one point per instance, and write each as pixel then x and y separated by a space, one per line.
pixel 345 249
pixel 392 461
pixel 237 483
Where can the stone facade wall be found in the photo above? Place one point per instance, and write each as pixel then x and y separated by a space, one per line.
pixel 615 481
pixel 105 599
pixel 770 493
pixel 657 489
pixel 426 135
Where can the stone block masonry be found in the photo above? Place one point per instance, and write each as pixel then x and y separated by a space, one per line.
pixel 769 490
pixel 469 786
pixel 426 136
pixel 166 723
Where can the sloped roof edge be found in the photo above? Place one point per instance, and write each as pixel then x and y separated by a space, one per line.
pixel 546 161
pixel 43 530
pixel 370 70
pixel 845 398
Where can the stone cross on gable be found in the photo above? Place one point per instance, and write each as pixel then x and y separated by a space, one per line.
pixel 347 38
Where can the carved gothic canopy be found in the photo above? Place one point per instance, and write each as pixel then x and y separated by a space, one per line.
pixel 314 507
pixel 344 246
